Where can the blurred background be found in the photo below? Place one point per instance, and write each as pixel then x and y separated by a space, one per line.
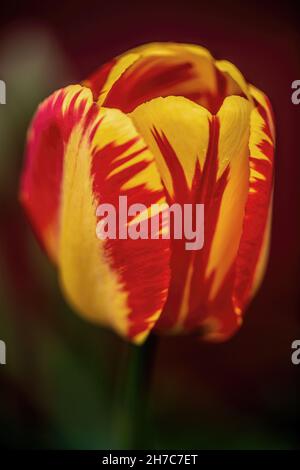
pixel 59 388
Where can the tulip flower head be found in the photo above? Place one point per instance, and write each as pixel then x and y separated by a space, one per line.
pixel 160 125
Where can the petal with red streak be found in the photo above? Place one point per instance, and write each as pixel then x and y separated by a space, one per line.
pixel 161 70
pixel 41 179
pixel 99 155
pixel 254 246
pixel 209 165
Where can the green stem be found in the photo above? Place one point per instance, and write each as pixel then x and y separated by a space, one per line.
pixel 131 421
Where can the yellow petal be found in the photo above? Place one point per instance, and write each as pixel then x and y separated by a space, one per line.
pixel 159 69
pixel 185 125
pixel 234 117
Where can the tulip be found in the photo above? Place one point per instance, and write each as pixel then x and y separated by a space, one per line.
pixel 163 123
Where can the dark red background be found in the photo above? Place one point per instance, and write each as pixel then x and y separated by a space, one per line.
pixel 251 376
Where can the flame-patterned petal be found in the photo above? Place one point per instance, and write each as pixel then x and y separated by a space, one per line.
pixel 209 166
pixel 100 156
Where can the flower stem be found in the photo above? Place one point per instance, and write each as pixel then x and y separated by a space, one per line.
pixel 131 421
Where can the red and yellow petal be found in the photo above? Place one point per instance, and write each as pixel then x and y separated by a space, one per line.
pixel 50 129
pixel 165 69
pixel 119 283
pixel 202 159
pixel 235 82
pixel 254 245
